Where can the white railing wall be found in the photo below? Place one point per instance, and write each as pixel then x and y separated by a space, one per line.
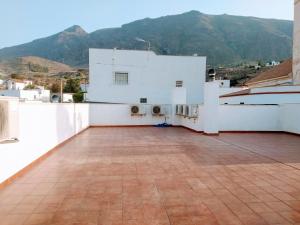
pixel 42 126
pixel 249 118
pixel 290 118
pixel 120 115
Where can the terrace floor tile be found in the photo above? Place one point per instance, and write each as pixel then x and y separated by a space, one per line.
pixel 160 176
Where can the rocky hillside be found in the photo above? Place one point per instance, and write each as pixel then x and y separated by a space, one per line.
pixel 224 39
pixel 31 65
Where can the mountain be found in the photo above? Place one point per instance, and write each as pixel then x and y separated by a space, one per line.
pixel 224 39
pixel 30 65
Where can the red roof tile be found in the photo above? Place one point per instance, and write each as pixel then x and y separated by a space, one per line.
pixel 282 71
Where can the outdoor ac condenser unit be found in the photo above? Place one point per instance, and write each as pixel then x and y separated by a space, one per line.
pixel 186 111
pixel 158 110
pixel 9 120
pixel 181 110
pixel 193 112
pixel 137 110
pixel 177 110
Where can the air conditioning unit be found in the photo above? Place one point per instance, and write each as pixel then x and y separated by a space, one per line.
pixel 181 110
pixel 158 110
pixel 177 110
pixel 137 110
pixel 193 111
pixel 9 120
pixel 186 112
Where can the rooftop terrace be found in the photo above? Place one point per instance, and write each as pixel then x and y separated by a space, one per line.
pixel 160 176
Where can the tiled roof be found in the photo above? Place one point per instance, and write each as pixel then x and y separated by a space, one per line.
pixel 248 92
pixel 282 71
pixel 237 93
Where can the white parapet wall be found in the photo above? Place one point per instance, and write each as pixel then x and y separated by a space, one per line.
pixel 290 118
pixel 120 115
pixel 42 126
pixel 249 118
pixel 195 124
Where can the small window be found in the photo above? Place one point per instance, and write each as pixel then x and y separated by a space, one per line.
pixel 179 83
pixel 121 78
pixel 143 100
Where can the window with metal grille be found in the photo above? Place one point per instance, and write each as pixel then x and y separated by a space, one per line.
pixel 120 78
pixel 179 83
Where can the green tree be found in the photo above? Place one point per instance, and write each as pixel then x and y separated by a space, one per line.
pixel 72 86
pixel 78 97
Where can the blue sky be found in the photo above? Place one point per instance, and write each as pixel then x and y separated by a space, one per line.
pixel 25 20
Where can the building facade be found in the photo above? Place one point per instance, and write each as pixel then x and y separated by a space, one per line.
pixel 296 51
pixel 28 95
pixel 17 85
pixel 127 76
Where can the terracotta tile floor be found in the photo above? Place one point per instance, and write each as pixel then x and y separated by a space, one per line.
pixel 160 176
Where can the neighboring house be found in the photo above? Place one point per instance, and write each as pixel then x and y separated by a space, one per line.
pixel 67 97
pixel 15 88
pixel 272 63
pixel 14 84
pixel 128 76
pixel 278 75
pixel 29 95
pixel 274 86
pixel 263 95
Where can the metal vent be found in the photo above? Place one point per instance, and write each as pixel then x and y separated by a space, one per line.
pixel 179 83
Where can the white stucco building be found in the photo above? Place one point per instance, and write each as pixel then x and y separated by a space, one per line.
pixel 17 84
pixel 127 76
pixel 28 95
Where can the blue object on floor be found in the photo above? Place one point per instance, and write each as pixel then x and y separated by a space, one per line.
pixel 163 125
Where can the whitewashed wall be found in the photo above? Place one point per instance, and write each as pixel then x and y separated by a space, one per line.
pixel 119 114
pixel 42 127
pixel 262 99
pixel 290 118
pixel 150 76
pixel 249 118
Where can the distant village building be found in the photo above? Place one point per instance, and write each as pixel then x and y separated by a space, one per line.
pixel 13 84
pixel 56 98
pixel 17 88
pixel 263 95
pixel 274 86
pixel 272 63
pixel 127 76
pixel 28 95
